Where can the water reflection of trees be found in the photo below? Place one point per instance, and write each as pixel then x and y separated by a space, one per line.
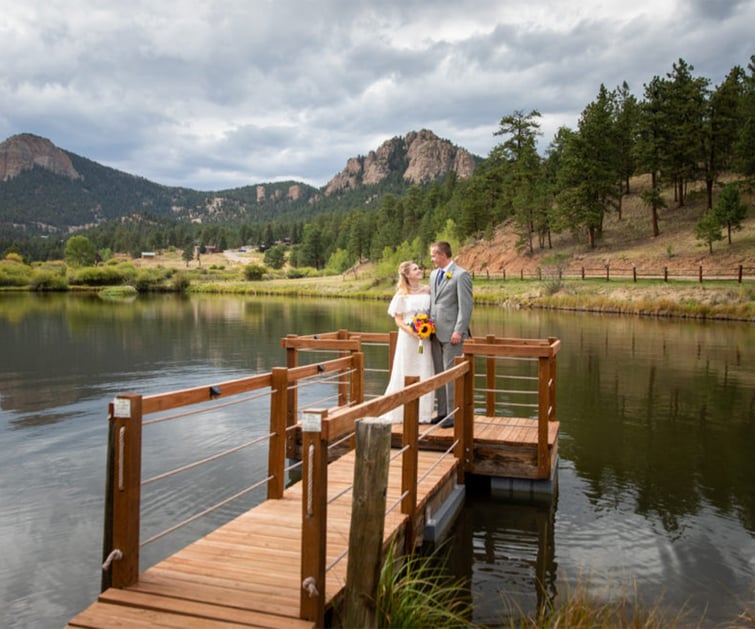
pixel 669 414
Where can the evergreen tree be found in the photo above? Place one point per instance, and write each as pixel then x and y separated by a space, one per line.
pixel 730 211
pixel 708 229
pixel 649 149
pixel 721 125
pixel 745 143
pixel 685 107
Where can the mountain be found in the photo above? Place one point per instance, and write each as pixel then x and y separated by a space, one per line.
pixel 48 190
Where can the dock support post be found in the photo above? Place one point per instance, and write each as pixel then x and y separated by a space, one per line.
pixel 367 522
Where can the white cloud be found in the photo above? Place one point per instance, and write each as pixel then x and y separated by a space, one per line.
pixel 215 94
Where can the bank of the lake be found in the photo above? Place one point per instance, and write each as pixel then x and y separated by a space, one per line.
pixel 716 299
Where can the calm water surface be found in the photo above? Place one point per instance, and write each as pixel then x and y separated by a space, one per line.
pixel 656 479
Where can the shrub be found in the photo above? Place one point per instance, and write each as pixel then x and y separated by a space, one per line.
pixel 48 279
pixel 103 275
pixel 181 282
pixel 254 272
pixel 13 273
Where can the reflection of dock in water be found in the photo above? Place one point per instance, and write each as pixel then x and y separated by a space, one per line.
pixel 505 542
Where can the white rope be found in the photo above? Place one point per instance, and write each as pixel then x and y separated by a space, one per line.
pixel 208 459
pixel 330 566
pixel 309 478
pixel 121 449
pixel 340 493
pixel 310 587
pixel 397 503
pixel 195 517
pixel 206 409
pixel 114 554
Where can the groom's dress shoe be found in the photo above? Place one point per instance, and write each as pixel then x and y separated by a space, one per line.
pixel 448 422
pixel 437 419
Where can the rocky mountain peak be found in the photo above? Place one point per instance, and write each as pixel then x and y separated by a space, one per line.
pixel 24 151
pixel 420 156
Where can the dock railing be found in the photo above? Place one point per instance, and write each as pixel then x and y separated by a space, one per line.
pixel 322 428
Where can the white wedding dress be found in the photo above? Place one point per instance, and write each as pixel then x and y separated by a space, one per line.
pixel 407 360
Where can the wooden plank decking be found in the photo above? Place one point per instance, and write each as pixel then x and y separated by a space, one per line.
pixel 503 446
pixel 247 572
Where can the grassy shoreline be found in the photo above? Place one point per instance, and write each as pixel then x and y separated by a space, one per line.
pixel 715 300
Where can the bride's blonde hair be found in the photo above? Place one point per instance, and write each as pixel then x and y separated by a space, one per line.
pixel 403 281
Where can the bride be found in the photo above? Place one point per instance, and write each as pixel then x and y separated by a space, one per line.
pixel 413 355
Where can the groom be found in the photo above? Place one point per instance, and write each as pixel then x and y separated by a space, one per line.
pixel 450 309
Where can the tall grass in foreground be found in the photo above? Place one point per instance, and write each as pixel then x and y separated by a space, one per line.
pixel 416 591
pixel 576 609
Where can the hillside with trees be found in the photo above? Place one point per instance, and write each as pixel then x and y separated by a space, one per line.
pixel 683 138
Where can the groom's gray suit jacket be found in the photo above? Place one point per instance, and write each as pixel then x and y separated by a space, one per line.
pixel 451 302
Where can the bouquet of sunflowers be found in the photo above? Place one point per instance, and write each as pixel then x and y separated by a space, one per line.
pixel 423 325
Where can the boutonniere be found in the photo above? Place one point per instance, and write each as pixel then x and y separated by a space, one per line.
pixel 449 275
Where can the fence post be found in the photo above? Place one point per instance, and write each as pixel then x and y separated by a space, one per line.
pixel 521 274
pixel 503 273
pixel 373 438
pixel 314 519
pixel 739 276
pixel 634 273
pixel 583 272
pixel 665 274
pixel 608 272
pixel 276 456
pixel 700 274
pixel 126 476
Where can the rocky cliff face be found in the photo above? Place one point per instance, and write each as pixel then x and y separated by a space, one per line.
pixel 24 151
pixel 420 156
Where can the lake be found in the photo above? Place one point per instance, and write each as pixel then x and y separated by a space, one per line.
pixel 656 476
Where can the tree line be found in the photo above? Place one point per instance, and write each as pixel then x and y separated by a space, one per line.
pixel 682 130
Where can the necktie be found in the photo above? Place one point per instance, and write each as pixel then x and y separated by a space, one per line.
pixel 440 276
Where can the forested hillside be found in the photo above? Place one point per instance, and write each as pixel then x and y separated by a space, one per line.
pixel 690 142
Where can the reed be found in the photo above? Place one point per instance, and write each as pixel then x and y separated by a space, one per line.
pixel 416 591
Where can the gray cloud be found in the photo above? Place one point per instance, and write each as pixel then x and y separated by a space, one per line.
pixel 221 94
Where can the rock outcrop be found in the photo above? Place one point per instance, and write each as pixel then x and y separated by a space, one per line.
pixel 24 151
pixel 420 156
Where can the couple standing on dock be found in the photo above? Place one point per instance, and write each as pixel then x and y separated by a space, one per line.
pixel 447 303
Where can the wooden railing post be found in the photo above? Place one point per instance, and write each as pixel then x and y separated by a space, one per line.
pixel 490 365
pixel 356 393
pixel 543 413
pixel 466 405
pixel 343 385
pixel 552 389
pixel 409 464
pixel 276 456
pixel 126 476
pixel 314 517
pixel 373 445
pixel 464 418
pixel 292 408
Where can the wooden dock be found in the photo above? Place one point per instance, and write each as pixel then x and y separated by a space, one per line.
pixel 282 563
pixel 247 572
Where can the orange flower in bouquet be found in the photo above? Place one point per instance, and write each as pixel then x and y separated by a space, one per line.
pixel 423 325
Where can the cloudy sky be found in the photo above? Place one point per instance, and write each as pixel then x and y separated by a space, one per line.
pixel 219 94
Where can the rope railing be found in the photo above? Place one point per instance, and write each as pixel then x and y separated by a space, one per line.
pixel 207 511
pixel 396 503
pixel 209 459
pixel 206 409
